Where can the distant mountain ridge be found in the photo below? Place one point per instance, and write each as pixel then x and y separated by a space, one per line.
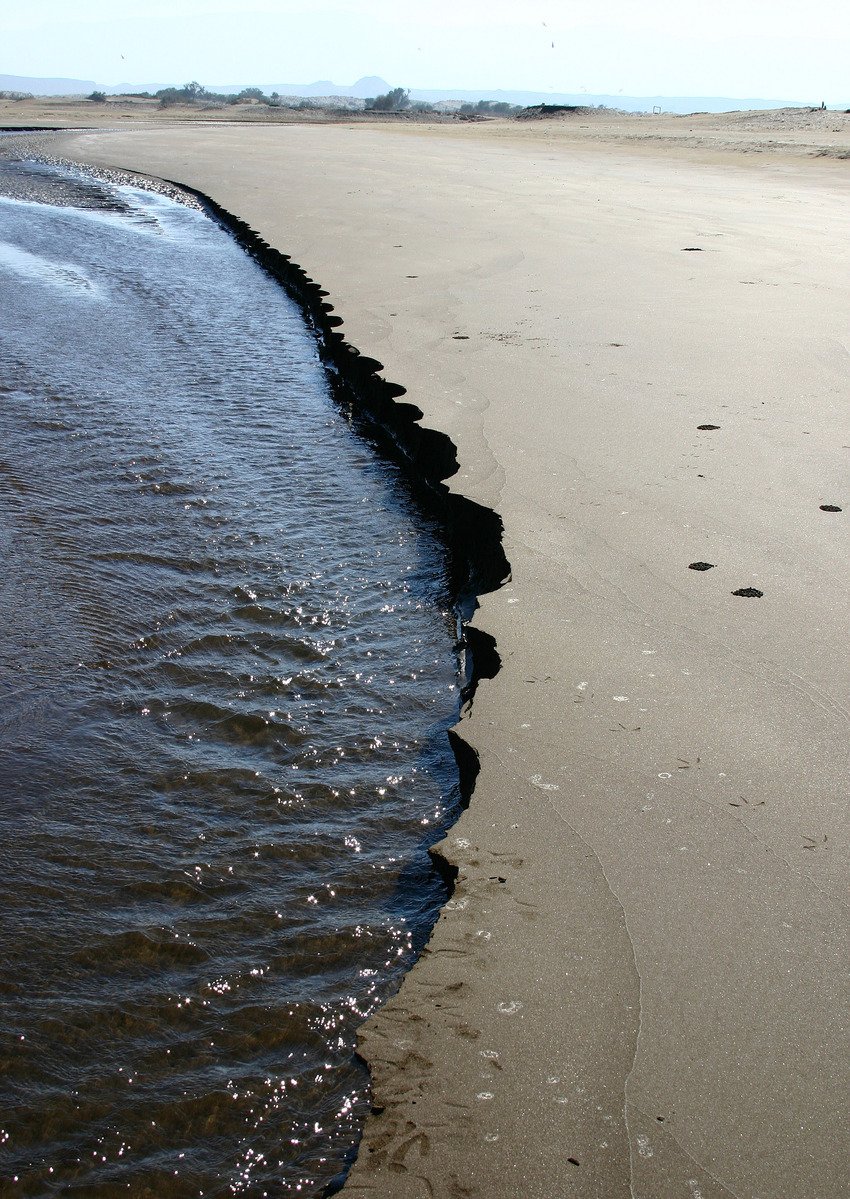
pixel 363 89
pixel 46 87
pixel 373 85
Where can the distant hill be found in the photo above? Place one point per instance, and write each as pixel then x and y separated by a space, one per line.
pixel 363 89
pixel 373 85
pixel 46 87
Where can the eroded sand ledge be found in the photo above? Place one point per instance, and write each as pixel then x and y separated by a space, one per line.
pixel 636 988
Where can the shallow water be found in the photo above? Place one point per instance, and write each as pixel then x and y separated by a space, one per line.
pixel 227 670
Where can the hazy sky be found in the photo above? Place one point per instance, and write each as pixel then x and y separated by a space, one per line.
pixel 772 49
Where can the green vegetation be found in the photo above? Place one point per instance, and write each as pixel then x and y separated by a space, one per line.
pixel 195 93
pixel 496 108
pixel 395 100
pixel 97 97
pixel 190 93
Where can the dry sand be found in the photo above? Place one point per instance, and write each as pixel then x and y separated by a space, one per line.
pixel 637 988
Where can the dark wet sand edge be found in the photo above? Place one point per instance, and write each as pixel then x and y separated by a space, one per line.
pixel 472 532
pixel 428 457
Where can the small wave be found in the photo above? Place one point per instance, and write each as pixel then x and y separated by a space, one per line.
pixel 136 950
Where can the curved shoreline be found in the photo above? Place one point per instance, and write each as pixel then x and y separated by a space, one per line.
pixel 308 315
pixel 612 1001
pixel 473 533
pixel 430 457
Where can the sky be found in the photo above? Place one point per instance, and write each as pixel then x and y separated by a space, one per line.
pixel 770 49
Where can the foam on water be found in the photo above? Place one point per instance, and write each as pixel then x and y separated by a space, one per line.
pixel 16 261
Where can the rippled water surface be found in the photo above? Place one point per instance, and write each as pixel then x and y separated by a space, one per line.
pixel 226 669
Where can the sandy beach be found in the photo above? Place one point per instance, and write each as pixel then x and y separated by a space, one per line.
pixel 636 336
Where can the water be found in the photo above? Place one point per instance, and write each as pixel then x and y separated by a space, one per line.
pixel 226 673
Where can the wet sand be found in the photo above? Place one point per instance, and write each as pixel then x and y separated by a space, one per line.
pixel 640 350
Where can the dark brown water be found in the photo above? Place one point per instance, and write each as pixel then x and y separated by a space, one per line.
pixel 226 671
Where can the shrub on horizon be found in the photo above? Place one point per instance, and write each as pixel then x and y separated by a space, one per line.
pixel 498 108
pixel 395 100
pixel 190 93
